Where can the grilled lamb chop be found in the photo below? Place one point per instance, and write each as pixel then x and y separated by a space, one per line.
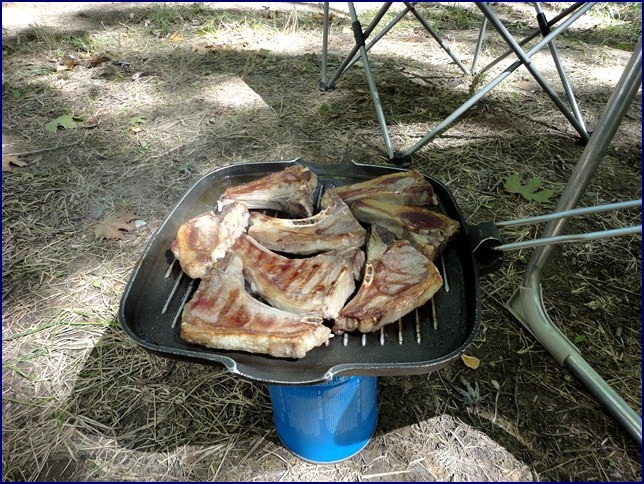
pixel 398 279
pixel 204 239
pixel 314 286
pixel 405 188
pixel 333 228
pixel 223 315
pixel 426 229
pixel 291 189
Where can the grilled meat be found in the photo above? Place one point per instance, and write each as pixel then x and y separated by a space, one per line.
pixel 204 239
pixel 318 285
pixel 222 315
pixel 290 190
pixel 405 188
pixel 427 230
pixel 398 279
pixel 333 228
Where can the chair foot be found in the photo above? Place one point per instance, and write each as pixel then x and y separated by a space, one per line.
pixel 324 87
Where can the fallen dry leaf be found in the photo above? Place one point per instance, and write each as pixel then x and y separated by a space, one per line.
pixel 11 162
pixel 90 123
pixel 269 14
pixel 319 17
pixel 70 62
pixel 203 48
pixel 471 361
pixel 176 37
pixel 97 60
pixel 114 226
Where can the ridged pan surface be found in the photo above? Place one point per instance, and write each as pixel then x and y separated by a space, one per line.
pixel 423 341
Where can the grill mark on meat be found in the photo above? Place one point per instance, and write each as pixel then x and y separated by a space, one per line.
pixel 232 307
pixel 318 285
pixel 223 315
pixel 399 280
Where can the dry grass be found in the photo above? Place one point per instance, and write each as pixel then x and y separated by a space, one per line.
pixel 83 402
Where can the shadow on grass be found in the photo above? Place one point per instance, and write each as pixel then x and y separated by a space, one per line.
pixel 151 404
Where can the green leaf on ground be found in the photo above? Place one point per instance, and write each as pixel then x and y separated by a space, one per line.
pixel 66 121
pixel 530 190
pixel 264 53
pixel 134 120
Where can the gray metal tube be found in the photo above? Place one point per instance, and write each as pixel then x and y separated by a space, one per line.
pixel 351 58
pixel 379 35
pixel 533 35
pixel 374 90
pixel 560 239
pixel 433 33
pixel 570 213
pixel 604 393
pixel 479 44
pixel 527 302
pixel 325 44
pixel 493 83
pixel 533 70
pixel 526 305
pixel 564 79
pixel 609 122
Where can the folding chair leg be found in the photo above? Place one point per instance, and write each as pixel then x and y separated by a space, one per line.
pixel 379 35
pixel 527 303
pixel 359 37
pixel 533 70
pixel 479 44
pixel 354 54
pixel 492 84
pixel 543 24
pixel 533 35
pixel 325 47
pixel 433 33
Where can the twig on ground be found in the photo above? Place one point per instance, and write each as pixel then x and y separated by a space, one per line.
pixel 33 152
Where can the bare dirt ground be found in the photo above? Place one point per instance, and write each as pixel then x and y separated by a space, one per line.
pixel 152 96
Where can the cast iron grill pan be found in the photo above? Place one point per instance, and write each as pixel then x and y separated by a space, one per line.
pixel 425 340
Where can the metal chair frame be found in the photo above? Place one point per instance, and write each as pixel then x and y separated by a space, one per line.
pixel 361 48
pixel 527 302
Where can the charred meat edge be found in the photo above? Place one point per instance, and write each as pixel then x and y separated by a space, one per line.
pixel 332 228
pixel 398 279
pixel 427 230
pixel 222 315
pixel 291 190
pixel 318 285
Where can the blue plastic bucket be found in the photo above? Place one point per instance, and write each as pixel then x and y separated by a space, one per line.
pixel 326 423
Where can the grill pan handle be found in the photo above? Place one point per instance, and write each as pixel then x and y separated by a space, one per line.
pixel 484 238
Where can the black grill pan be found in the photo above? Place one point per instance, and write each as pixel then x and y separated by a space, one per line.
pixel 425 340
